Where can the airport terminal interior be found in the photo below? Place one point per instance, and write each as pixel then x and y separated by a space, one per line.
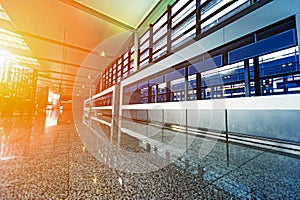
pixel 152 99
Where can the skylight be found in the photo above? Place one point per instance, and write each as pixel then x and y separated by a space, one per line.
pixel 3 14
pixel 13 58
pixel 10 39
pixel 13 40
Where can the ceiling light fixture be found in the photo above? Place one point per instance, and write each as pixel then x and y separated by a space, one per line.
pixel 102 54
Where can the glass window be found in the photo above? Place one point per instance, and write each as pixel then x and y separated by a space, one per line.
pixel 192 87
pixel 183 30
pixel 161 92
pixel 145 37
pixel 226 81
pixel 104 100
pixel 223 14
pixel 159 48
pixel 131 95
pixel 178 89
pixel 279 62
pixel 158 24
pixel 144 95
pixel 153 94
pixel 181 34
pixel 191 7
pixel 160 37
pixel 275 72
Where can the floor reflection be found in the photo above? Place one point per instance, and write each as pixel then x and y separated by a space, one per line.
pixel 211 162
pixel 52 117
pixel 121 159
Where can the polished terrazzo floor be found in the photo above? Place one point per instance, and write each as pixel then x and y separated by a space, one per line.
pixel 41 158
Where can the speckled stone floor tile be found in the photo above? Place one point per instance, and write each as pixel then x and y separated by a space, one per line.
pixel 72 162
pixel 267 176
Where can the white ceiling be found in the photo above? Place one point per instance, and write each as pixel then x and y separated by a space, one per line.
pixel 130 12
pixel 67 36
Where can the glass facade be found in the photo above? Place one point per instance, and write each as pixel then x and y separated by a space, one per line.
pixel 278 73
pixel 244 69
pixel 18 86
pixel 183 21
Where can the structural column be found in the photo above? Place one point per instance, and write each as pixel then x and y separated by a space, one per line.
pixel 247 78
pixel 100 82
pixel 156 93
pixel 116 101
pixel 136 51
pixel 34 94
pixel 169 29
pixel 186 85
pixel 198 17
pixel 150 94
pixel 256 76
pixel 198 86
pixel 151 44
pixel 7 72
pixel 298 34
pixel 115 112
pixel 168 91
